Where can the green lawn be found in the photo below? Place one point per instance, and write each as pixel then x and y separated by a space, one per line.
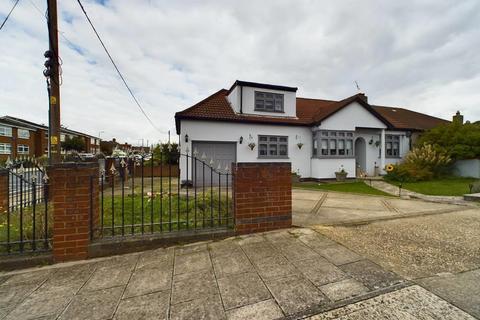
pixel 440 187
pixel 163 214
pixel 22 222
pixel 348 187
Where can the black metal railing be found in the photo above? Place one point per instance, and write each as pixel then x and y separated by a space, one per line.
pixel 25 224
pixel 147 194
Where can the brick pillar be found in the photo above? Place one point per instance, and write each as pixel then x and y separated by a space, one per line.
pixel 71 197
pixel 3 190
pixel 262 196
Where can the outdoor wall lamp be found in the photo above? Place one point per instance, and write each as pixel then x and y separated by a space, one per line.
pixel 186 138
pixel 241 140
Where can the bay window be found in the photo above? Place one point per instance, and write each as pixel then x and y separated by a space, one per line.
pixel 335 144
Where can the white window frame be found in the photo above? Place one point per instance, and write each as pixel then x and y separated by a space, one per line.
pixel 273 144
pixel 23 149
pixel 333 144
pixel 23 133
pixel 5 131
pixel 5 148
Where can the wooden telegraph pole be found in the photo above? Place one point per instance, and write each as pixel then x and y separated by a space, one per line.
pixel 52 72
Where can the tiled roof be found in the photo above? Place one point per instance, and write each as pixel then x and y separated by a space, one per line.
pixel 309 112
pixel 401 118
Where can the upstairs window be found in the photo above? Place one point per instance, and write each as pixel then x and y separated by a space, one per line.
pixel 5 131
pixel 23 134
pixel 269 102
pixel 272 147
pixel 392 145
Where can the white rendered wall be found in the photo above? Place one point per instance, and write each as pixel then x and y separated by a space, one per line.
pixel 234 99
pixel 231 132
pixel 467 168
pixel 351 117
pixel 326 168
pixel 248 101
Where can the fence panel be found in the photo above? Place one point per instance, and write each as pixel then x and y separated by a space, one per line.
pixel 25 223
pixel 144 194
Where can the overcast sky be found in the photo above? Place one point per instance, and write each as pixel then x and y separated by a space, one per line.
pixel 423 55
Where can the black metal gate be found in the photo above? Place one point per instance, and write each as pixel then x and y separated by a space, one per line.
pixel 25 222
pixel 148 194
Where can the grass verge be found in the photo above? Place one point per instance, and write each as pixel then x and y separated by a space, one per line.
pixel 439 187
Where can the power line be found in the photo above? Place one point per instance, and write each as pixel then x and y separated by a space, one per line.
pixel 116 68
pixel 8 15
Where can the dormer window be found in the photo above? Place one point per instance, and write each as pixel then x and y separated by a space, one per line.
pixel 268 102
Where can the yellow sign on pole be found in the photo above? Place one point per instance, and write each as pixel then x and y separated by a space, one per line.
pixel 54 140
pixel 53 100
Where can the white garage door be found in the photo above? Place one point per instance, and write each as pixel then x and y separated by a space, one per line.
pixel 220 154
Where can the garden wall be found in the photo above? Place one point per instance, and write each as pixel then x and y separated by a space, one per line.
pixel 467 168
pixel 158 171
pixel 262 195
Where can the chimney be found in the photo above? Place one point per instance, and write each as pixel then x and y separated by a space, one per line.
pixel 362 96
pixel 458 118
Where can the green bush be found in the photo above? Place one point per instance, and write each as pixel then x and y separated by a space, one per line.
pixel 461 141
pixel 421 164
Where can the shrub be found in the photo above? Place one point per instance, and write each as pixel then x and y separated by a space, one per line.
pixel 420 164
pixel 461 141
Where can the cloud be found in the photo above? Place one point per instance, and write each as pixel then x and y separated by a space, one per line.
pixel 422 55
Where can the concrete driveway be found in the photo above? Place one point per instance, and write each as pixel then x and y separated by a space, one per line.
pixel 440 252
pixel 312 207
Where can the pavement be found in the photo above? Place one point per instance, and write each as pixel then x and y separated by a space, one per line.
pixel 312 207
pixel 291 273
pixel 421 267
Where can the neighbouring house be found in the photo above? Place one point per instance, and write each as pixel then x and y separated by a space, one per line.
pixel 19 137
pixel 256 122
pixel 108 147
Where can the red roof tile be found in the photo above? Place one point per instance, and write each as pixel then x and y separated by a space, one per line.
pixel 309 111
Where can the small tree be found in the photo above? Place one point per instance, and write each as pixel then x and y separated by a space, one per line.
pixel 74 144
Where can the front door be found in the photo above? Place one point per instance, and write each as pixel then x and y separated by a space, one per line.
pixel 360 157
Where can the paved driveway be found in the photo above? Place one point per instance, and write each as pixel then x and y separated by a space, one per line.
pixel 291 273
pixel 311 207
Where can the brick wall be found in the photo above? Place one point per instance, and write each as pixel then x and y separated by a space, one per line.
pixel 3 190
pixel 71 190
pixel 262 196
pixel 158 171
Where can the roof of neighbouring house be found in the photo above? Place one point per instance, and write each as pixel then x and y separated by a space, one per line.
pixel 32 125
pixel 402 118
pixel 309 112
